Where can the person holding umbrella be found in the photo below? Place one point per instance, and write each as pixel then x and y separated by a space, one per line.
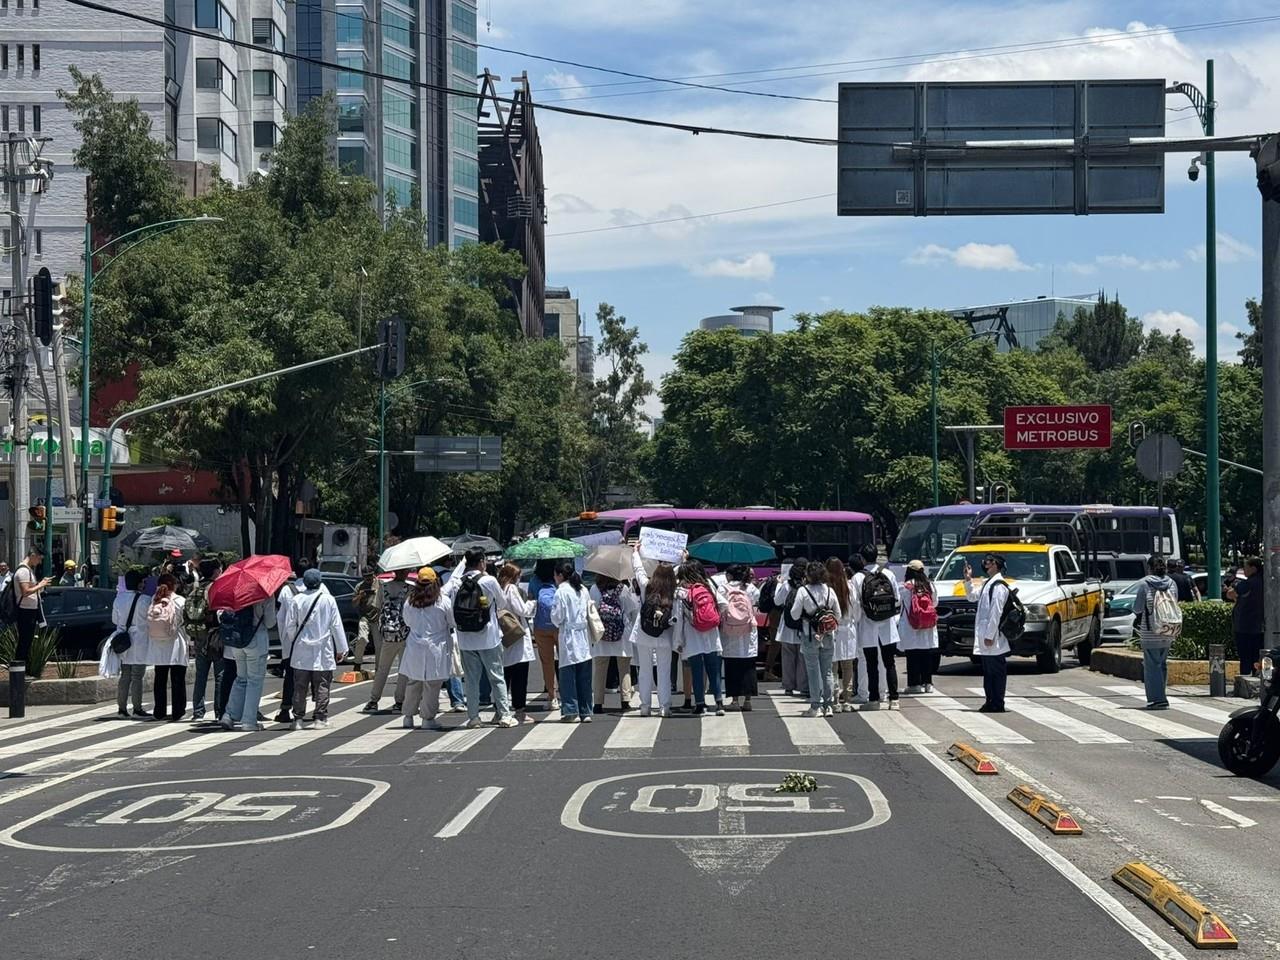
pixel 245 597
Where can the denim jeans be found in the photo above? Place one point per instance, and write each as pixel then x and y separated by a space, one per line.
pixel 817 664
pixel 706 668
pixel 575 689
pixel 251 672
pixel 488 663
pixel 203 666
pixel 454 688
pixel 1155 673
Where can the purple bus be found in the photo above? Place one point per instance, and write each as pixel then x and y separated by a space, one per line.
pixel 930 535
pixel 794 533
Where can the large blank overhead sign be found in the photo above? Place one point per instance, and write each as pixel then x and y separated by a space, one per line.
pixel 457 454
pixel 1093 173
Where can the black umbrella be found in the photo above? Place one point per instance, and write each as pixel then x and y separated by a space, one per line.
pixel 167 539
pixel 467 541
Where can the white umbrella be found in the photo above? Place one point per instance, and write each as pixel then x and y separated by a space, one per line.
pixel 412 554
pixel 611 561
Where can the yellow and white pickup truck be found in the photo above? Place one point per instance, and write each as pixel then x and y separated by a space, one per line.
pixel 1064 606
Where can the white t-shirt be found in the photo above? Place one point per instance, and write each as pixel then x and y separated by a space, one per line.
pixel 26 575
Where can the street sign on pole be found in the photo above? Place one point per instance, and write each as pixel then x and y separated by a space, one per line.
pixel 932 180
pixel 1159 457
pixel 457 454
pixel 1075 427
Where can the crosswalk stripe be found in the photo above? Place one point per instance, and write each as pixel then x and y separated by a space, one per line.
pixel 547 736
pixel 457 741
pixel 1184 704
pixel 804 731
pixel 50 723
pixel 726 735
pixel 371 742
pixel 1161 727
pixel 291 740
pixel 893 728
pixel 1056 720
pixel 102 748
pixel 634 733
pixel 57 739
pixel 978 725
pixel 198 743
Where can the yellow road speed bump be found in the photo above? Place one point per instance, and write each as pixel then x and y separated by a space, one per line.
pixel 1188 915
pixel 1050 815
pixel 979 763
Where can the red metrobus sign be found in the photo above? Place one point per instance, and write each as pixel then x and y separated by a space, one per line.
pixel 1057 428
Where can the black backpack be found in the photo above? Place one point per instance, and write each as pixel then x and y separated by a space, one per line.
pixel 9 598
pixel 1013 618
pixel 236 628
pixel 766 604
pixel 879 599
pixel 655 618
pixel 792 623
pixel 471 605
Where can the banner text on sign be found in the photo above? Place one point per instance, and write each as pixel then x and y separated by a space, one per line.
pixel 665 545
pixel 1057 428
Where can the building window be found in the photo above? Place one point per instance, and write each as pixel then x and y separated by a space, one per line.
pixel 264 83
pixel 267 34
pixel 398 187
pixel 396 65
pixel 398 29
pixel 350 28
pixel 351 159
pixel 462 240
pixel 464 59
pixel 39 242
pixel 22 123
pixel 466 173
pixel 464 21
pixel 4 56
pixel 398 150
pixel 213 74
pixel 350 117
pixel 213 134
pixel 398 110
pixel 265 133
pixel 35 118
pixel 4 118
pixel 35 56
pixel 466 212
pixel 212 15
pixel 465 136
pixel 22 56
pixel 347 80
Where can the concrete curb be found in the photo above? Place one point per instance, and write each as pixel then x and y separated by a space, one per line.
pixel 1127 664
pixel 54 691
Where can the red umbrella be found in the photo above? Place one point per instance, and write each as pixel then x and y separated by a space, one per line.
pixel 250 581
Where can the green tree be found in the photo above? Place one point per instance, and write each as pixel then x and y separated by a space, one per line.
pixel 615 409
pixel 1251 342
pixel 1106 336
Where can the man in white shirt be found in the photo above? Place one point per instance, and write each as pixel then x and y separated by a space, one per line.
pixel 476 598
pixel 318 641
pixel 5 575
pixel 28 588
pixel 988 642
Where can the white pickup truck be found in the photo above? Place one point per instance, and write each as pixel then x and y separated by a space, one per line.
pixel 1064 606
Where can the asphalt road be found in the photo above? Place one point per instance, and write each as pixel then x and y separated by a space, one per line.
pixel 630 837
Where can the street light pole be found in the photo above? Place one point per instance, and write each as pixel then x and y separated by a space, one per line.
pixel 382 465
pixel 936 365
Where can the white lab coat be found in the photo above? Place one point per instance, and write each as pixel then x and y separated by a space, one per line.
pixel 847 633
pixel 428 652
pixel 521 651
pixel 664 643
pixel 172 653
pixel 569 614
pixel 322 641
pixel 140 648
pixel 909 638
pixel 292 589
pixel 870 632
pixel 630 613
pixel 745 646
pixel 991 597
pixel 691 641
pixel 490 636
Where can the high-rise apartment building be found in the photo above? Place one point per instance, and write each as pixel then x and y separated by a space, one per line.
pixel 417 145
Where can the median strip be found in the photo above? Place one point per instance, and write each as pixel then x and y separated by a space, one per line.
pixel 1200 925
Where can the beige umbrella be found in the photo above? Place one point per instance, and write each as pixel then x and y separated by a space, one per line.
pixel 613 560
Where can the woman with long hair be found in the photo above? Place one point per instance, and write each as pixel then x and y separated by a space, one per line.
pixel 845 653
pixel 918 643
pixel 703 605
pixel 427 661
pixel 738 636
pixel 167 649
pixel 569 614
pixel 653 633
pixel 542 590
pixel 817 608
pixel 517 657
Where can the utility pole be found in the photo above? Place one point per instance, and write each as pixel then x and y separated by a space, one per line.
pixel 20 495
pixel 1268 164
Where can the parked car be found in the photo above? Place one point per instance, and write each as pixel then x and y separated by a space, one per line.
pixel 1118 618
pixel 82 614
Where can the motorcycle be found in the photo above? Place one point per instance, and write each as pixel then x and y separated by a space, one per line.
pixel 1249 744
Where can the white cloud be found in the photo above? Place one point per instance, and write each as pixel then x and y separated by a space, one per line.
pixel 1230 250
pixel 1230 329
pixel 1113 262
pixel 754 266
pixel 566 83
pixel 1170 322
pixel 763 296
pixel 567 204
pixel 970 256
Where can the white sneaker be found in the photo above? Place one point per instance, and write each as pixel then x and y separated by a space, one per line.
pixel 893 705
pixel 569 718
pixel 472 723
pixel 407 722
pixel 848 708
pixel 296 725
pixel 666 713
pixel 322 724
pixel 308 724
pixel 644 711
pixel 928 688
pixel 827 711
pixel 811 712
pixel 458 708
pixel 914 688
pixel 555 703
pixel 508 721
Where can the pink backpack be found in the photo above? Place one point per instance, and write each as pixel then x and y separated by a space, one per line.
pixel 162 621
pixel 740 617
pixel 923 612
pixel 706 616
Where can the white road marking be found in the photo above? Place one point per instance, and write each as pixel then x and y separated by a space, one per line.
pixel 1072 874
pixel 61 720
pixel 725 735
pixel 32 788
pixel 892 727
pixel 547 736
pixel 1227 813
pixel 291 740
pixel 371 742
pixel 1168 729
pixel 978 725
pixel 1056 720
pixel 1255 799
pixel 58 739
pixel 457 741
pixel 102 748
pixel 197 743
pixel 472 810
pixel 1184 704
pixel 815 732
pixel 634 733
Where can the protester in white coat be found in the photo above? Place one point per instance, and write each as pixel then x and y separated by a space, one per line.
pixel 569 614
pixel 701 646
pixel 517 657
pixel 618 608
pixel 167 649
pixel 988 642
pixel 845 653
pixel 129 613
pixel 319 642
pixel 428 652
pixel 878 639
pixel 653 633
pixel 795 679
pixel 817 607
pixel 472 593
pixel 739 639
pixel 919 644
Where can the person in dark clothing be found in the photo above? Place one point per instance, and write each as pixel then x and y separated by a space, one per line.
pixel 1247 617
pixel 1187 592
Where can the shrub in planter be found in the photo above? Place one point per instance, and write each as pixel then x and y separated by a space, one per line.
pixel 1203 623
pixel 43 646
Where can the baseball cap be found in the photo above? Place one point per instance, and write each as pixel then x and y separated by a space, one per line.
pixel 312 578
pixel 69 565
pixel 175 553
pixel 427 575
pixel 916 565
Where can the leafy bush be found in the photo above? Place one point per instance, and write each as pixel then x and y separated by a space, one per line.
pixel 1203 623
pixel 44 645
pixel 173 521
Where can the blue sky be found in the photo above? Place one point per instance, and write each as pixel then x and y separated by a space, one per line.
pixel 801 255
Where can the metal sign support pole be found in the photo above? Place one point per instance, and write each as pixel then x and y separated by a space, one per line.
pixel 1271 416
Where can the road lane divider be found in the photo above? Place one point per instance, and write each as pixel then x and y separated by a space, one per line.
pixel 975 760
pixel 1046 813
pixel 1200 925
pixel 468 813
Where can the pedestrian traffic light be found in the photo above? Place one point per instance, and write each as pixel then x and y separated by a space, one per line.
pixel 111 520
pixel 42 300
pixel 389 361
pixel 1267 158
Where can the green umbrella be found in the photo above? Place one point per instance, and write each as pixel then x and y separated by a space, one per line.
pixel 546 548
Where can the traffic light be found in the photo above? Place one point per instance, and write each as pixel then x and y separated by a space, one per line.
pixel 389 361
pixel 111 520
pixel 1137 433
pixel 1267 158
pixel 999 492
pixel 42 298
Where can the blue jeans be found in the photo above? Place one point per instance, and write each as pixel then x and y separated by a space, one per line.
pixel 251 672
pixel 203 666
pixel 817 655
pixel 1155 673
pixel 476 663
pixel 705 668
pixel 454 689
pixel 575 689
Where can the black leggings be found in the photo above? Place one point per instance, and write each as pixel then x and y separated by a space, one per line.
pixel 920 666
pixel 175 678
pixel 517 677
pixel 740 676
pixel 873 654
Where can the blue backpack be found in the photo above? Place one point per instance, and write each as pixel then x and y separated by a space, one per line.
pixel 236 628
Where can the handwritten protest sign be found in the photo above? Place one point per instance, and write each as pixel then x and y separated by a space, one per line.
pixel 665 545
